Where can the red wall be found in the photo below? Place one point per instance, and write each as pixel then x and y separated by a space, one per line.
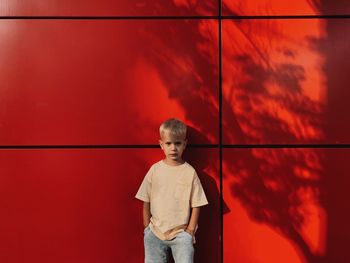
pixel 81 101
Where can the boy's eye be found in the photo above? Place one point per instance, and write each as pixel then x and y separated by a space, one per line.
pixel 168 143
pixel 177 143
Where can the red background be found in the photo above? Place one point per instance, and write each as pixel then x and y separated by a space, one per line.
pixel 111 82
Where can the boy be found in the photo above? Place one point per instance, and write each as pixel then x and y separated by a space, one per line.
pixel 172 196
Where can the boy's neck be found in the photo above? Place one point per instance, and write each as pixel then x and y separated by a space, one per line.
pixel 173 162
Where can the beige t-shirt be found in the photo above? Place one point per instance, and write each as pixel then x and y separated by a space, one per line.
pixel 171 192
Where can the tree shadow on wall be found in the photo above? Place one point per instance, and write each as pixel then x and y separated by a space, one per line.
pixel 276 187
pixel 262 116
pixel 184 69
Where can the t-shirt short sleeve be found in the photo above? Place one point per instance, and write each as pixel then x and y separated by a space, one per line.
pixel 198 197
pixel 144 191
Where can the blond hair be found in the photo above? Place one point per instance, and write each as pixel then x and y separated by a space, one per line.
pixel 176 128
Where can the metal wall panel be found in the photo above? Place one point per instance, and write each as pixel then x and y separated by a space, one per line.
pixel 284 81
pixel 105 81
pixel 286 205
pixel 108 8
pixel 283 8
pixel 78 205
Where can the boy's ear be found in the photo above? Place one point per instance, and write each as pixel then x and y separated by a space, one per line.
pixel 161 144
pixel 185 143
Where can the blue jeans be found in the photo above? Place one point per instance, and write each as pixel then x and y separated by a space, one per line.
pixel 156 250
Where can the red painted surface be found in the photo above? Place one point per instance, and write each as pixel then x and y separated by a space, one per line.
pixel 278 8
pixel 286 81
pixel 80 81
pixel 79 205
pixel 277 196
pixel 274 81
pixel 279 78
pixel 286 205
pixel 107 8
pixel 94 82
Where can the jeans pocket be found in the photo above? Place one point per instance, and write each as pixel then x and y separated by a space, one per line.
pixel 188 234
pixel 189 238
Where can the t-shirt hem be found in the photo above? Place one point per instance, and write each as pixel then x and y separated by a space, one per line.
pixel 142 198
pixel 199 204
pixel 169 234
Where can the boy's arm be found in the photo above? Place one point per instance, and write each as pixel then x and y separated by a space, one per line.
pixel 146 212
pixel 192 225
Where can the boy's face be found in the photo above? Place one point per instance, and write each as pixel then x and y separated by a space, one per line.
pixel 172 147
